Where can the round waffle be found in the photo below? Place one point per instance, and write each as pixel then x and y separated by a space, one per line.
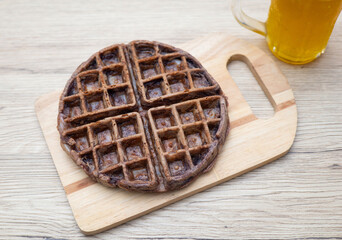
pixel 143 116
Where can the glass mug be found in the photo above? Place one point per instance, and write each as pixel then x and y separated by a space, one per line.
pixel 297 31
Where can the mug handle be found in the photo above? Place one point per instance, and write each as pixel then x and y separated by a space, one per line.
pixel 246 21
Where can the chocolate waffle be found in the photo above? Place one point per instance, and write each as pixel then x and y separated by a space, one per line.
pixel 143 116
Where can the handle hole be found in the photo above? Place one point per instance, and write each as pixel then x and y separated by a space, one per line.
pixel 249 87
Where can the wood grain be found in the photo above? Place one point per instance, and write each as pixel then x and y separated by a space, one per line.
pixel 297 197
pixel 252 142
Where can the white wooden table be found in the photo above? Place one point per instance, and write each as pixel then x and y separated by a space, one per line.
pixel 296 197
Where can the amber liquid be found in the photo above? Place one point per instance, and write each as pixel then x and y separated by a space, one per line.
pixel 298 30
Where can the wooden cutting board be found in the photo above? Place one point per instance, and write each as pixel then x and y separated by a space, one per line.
pixel 252 142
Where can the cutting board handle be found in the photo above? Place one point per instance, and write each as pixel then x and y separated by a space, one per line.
pixel 268 75
pixel 223 49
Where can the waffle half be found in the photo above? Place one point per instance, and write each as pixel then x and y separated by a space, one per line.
pixel 143 116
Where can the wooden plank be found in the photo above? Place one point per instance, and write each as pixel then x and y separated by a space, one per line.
pixel 252 142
